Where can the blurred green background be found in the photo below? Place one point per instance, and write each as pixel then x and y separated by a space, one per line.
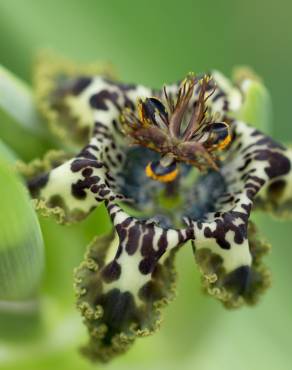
pixel 154 42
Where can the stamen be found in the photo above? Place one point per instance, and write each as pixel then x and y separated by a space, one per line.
pixel 161 126
pixel 184 95
pixel 198 117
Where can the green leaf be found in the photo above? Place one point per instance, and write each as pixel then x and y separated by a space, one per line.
pixel 21 243
pixel 7 153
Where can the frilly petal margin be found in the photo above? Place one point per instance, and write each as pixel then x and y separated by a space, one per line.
pixel 226 247
pixel 244 284
pixel 57 83
pixel 35 173
pixel 124 282
pixel 70 187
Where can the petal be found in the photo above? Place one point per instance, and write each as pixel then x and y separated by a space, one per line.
pixel 243 284
pixel 36 174
pixel 254 162
pixel 124 282
pixel 71 189
pixel 276 195
pixel 80 106
pixel 59 84
pixel 226 91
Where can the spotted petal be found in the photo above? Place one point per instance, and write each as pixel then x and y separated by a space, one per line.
pixel 222 241
pixel 72 188
pixel 80 106
pixel 242 285
pixel 58 87
pixel 276 196
pixel 124 282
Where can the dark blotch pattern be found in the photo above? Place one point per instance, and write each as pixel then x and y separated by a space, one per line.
pixel 37 183
pixel 98 100
pixel 238 280
pixel 80 85
pixel 111 272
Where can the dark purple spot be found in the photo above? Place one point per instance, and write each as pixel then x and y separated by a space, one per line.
pixel 111 272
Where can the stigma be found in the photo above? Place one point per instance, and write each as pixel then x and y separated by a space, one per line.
pixel 220 135
pixel 164 170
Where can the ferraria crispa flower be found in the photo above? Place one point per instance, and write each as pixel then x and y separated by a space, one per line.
pixel 171 166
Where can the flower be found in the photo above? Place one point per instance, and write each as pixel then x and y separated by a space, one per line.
pixel 171 166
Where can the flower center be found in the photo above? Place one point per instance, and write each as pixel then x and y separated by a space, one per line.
pixel 181 128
